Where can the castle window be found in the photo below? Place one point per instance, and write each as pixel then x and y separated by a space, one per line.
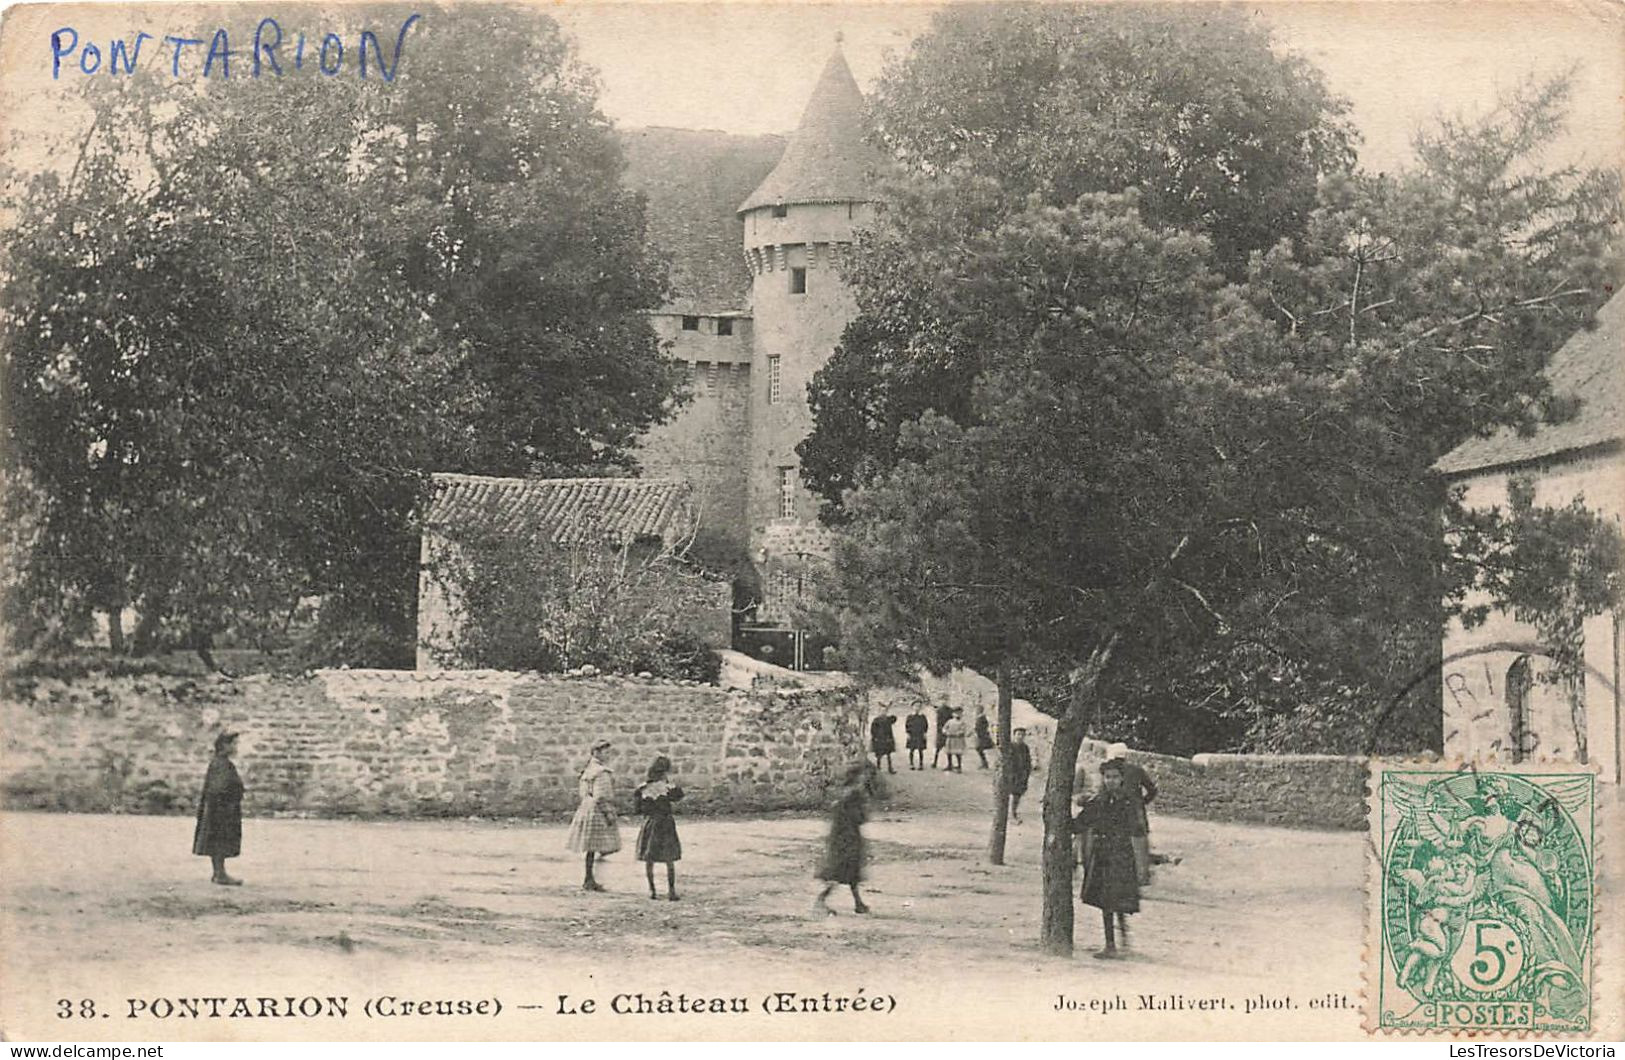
pixel 775 384
pixel 787 493
pixel 781 210
pixel 725 325
pixel 785 589
pixel 691 323
pixel 798 280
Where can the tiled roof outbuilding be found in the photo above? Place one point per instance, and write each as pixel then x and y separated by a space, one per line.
pixel 563 510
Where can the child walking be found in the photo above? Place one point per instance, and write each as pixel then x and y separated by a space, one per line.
pixel 1110 881
pixel 843 851
pixel 657 839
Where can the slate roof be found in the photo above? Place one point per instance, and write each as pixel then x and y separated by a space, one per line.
pixel 563 510
pixel 827 159
pixel 692 179
pixel 1588 367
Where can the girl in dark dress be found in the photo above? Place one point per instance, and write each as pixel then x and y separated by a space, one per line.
pixel 657 839
pixel 843 851
pixel 916 725
pixel 1110 882
pixel 219 833
pixel 984 737
pixel 882 741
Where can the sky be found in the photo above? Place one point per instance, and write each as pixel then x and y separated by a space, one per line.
pixel 748 67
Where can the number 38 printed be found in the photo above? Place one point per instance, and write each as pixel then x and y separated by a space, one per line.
pixel 1490 956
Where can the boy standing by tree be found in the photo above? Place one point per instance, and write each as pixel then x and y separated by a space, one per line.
pixel 1018 769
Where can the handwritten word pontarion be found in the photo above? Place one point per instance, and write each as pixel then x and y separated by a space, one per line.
pixel 274 52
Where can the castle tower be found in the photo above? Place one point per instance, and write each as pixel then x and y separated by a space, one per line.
pixel 798 223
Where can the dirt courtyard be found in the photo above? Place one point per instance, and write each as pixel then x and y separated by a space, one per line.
pixel 116 908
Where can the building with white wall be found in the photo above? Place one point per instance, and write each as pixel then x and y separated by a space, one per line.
pixel 1496 702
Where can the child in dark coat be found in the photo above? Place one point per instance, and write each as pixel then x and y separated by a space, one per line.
pixel 1110 881
pixel 984 736
pixel 916 725
pixel 882 741
pixel 843 850
pixel 657 839
pixel 219 833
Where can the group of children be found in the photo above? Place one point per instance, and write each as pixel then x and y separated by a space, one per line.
pixel 1112 824
pixel 953 738
pixel 595 829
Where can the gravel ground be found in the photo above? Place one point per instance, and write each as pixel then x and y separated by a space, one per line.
pixel 115 908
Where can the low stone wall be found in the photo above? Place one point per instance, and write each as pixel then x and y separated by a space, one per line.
pixel 416 744
pixel 1306 791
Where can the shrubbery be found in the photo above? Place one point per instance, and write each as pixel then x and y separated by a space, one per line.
pixel 518 603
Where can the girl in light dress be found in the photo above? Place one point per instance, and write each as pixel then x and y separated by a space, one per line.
pixel 594 830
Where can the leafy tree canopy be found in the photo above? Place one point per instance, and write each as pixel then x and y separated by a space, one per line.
pixel 253 316
pixel 1189 105
pixel 1274 433
pixel 1063 439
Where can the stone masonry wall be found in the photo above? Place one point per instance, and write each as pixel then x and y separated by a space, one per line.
pixel 1306 791
pixel 398 743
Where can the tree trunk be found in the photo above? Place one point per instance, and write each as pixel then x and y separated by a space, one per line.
pixel 1001 782
pixel 115 629
pixel 1055 930
pixel 1055 927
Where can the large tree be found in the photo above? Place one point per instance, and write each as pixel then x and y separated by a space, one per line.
pixel 996 107
pixel 234 348
pixel 1178 477
pixel 1089 525
pixel 1402 313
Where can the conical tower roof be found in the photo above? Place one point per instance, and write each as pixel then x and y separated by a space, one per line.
pixel 827 159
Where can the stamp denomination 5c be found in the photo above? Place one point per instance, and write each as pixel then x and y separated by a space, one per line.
pixel 1482 898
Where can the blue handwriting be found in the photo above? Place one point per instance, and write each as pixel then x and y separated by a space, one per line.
pixel 274 52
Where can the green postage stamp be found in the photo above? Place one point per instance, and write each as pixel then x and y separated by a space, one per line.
pixel 1482 899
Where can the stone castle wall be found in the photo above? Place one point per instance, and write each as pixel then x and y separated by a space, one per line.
pixel 396 743
pixel 707 442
